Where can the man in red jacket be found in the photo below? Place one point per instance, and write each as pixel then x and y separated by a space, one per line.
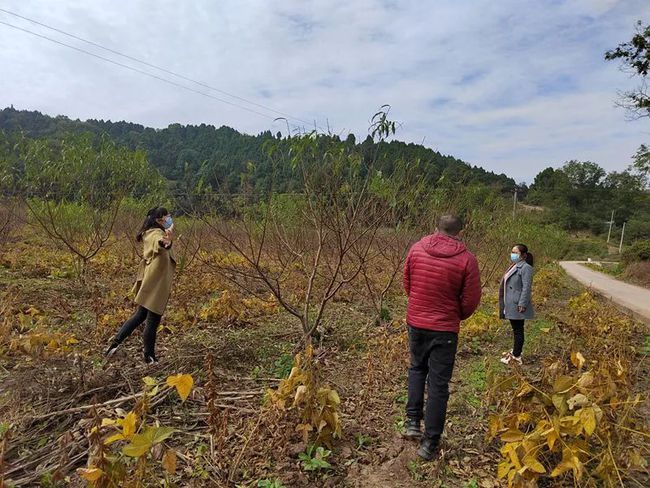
pixel 442 281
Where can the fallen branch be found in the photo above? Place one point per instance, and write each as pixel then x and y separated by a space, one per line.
pixel 83 408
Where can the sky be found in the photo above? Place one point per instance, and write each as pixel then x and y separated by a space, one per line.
pixel 513 86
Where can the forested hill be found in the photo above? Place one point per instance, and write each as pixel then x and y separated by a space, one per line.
pixel 184 153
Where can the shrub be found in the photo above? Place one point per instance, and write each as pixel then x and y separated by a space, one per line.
pixel 638 251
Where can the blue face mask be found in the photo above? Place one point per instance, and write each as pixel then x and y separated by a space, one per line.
pixel 168 222
pixel 514 257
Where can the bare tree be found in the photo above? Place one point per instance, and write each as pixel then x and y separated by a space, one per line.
pixel 305 247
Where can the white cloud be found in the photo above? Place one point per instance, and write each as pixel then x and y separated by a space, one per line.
pixel 510 85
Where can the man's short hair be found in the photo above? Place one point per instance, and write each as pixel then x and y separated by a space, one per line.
pixel 450 224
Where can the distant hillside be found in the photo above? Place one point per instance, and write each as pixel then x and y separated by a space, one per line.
pixel 185 153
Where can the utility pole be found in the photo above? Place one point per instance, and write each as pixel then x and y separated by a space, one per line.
pixel 514 204
pixel 620 246
pixel 611 222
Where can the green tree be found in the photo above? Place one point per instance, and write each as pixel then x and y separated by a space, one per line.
pixel 635 59
pixel 74 189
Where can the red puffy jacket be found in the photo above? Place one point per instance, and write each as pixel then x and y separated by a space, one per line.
pixel 442 281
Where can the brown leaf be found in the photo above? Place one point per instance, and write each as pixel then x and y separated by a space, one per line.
pixel 169 461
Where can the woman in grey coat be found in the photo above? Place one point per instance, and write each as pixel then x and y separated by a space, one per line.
pixel 515 298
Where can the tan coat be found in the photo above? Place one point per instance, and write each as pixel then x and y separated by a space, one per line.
pixel 154 279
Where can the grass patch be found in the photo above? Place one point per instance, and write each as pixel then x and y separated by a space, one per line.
pixel 613 269
pixel 473 380
pixel 645 348
pixel 537 329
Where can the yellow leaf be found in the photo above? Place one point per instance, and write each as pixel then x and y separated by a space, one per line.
pixel 577 359
pixel 71 341
pixel 114 438
pixel 560 403
pixel 545 329
pixel 183 384
pixel 514 458
pixel 562 468
pixel 512 435
pixel 534 465
pixel 588 417
pixel 128 424
pixel 494 426
pixel 551 438
pixel 106 422
pixel 333 398
pixel 149 381
pixel 524 390
pixel 169 461
pixel 503 469
pixel 90 474
pixel 562 384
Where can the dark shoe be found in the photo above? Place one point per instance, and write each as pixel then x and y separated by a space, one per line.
pixel 150 360
pixel 413 429
pixel 428 449
pixel 111 349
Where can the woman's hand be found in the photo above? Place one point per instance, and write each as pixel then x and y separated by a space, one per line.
pixel 521 309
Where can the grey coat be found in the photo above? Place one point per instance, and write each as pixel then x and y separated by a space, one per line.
pixel 517 291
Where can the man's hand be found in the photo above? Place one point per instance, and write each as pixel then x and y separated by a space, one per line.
pixel 521 309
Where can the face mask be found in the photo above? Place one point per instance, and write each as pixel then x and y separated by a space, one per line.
pixel 514 257
pixel 168 222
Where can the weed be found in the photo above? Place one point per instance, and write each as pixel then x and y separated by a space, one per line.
pixel 362 441
pixel 399 423
pixel 270 483
pixel 282 366
pixel 645 348
pixel 315 458
pixel 415 470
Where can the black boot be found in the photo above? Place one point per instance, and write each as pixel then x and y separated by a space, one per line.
pixel 428 449
pixel 413 429
pixel 150 359
pixel 111 349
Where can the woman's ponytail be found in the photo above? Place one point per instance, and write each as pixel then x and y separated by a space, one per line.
pixel 529 258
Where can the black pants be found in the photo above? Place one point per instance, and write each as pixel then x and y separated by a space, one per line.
pixel 518 333
pixel 150 328
pixel 432 357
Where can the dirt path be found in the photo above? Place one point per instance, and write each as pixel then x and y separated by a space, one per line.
pixel 633 299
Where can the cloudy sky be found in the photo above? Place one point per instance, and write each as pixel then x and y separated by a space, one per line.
pixel 510 85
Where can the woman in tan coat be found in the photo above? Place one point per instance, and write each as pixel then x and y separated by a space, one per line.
pixel 153 282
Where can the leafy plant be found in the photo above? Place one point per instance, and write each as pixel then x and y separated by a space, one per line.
pixel 318 406
pixel 315 458
pixel 362 440
pixel 270 483
pixel 137 439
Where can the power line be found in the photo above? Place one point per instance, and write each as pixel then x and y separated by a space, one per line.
pixel 205 85
pixel 146 73
pixel 118 53
pixel 165 70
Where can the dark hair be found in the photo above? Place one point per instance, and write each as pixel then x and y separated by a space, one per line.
pixel 150 221
pixel 450 224
pixel 523 249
